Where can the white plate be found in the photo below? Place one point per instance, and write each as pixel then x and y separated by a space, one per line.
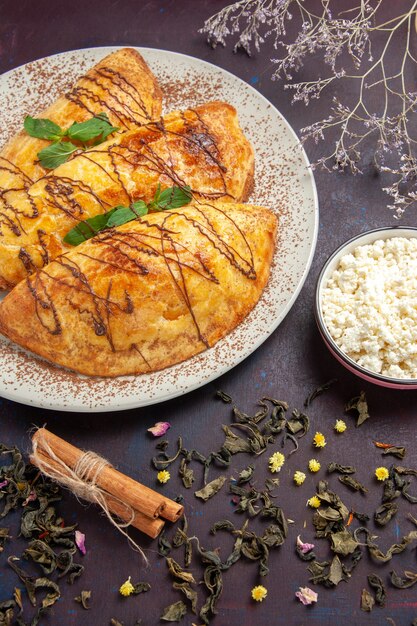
pixel 283 181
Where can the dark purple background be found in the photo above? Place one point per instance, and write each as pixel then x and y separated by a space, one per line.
pixel 289 365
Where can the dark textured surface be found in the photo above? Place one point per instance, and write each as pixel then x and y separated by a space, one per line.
pixel 289 364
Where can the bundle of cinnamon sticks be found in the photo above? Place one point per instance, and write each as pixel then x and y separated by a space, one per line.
pixel 126 498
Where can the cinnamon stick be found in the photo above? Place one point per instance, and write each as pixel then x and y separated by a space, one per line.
pixel 138 496
pixel 148 525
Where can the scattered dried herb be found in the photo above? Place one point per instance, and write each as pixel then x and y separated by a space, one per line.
pixel 410 579
pixel 189 593
pixel 376 583
pixel 84 599
pixel 4 534
pixel 164 546
pixel 174 612
pixel 211 488
pixel 186 474
pixel 360 405
pixel 343 542
pixel 342 469
pixel 245 475
pixel 224 396
pixel 388 448
pixel 385 513
pixel 177 572
pixel 352 483
pixel 318 391
pixel 367 601
pixel 374 550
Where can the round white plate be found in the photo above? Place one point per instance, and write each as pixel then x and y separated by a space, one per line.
pixel 283 181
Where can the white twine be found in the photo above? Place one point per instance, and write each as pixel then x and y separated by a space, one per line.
pixel 82 482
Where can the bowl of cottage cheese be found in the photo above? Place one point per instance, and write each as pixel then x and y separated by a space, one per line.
pixel 366 306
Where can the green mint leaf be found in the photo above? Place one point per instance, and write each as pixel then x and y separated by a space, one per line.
pixel 98 126
pixel 173 198
pixel 88 228
pixel 56 154
pixel 127 214
pixel 42 128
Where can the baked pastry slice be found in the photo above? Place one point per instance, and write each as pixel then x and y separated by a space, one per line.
pixel 202 147
pixel 121 85
pixel 148 294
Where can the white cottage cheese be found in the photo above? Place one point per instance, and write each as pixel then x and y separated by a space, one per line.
pixel 369 306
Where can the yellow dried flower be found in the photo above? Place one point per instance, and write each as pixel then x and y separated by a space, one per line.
pixel 163 476
pixel 340 426
pixel 381 473
pixel 319 440
pixel 276 461
pixel 299 478
pixel 314 502
pixel 259 593
pixel 127 588
pixel 314 465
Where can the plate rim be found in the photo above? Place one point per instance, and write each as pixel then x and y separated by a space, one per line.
pixel 133 401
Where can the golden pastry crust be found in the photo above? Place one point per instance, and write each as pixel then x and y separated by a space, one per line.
pixel 148 294
pixel 121 85
pixel 202 147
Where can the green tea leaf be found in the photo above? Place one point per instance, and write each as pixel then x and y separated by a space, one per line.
pixel 56 154
pixel 403 583
pixel 360 405
pixel 84 599
pixel 98 126
pixel 174 612
pixel 376 583
pixel 210 489
pixel 42 128
pixel 367 601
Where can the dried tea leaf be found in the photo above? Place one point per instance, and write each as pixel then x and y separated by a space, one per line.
pixel 294 441
pixel 164 546
pixel 343 542
pixel 245 475
pixel 360 405
pixel 385 513
pixel 17 597
pixel 352 483
pixel 367 601
pixel 186 474
pixel 233 443
pixel 84 599
pixel 361 517
pixel 410 579
pixel 299 424
pixel 141 587
pixel 398 451
pixel 165 461
pixel 211 488
pixel 376 583
pixel 396 548
pixel 214 582
pixel 115 622
pixel 174 612
pixel 162 445
pixel 327 573
pixel 176 570
pixel 271 483
pixel 189 593
pixel 4 534
pixel 224 396
pixel 342 469
pixel 7 612
pixel 318 391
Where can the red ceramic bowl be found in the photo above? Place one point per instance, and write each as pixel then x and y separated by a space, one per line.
pixel 328 269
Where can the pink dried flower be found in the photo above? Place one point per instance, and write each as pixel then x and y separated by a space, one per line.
pixel 304 547
pixel 80 541
pixel 159 429
pixel 306 595
pixel 4 483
